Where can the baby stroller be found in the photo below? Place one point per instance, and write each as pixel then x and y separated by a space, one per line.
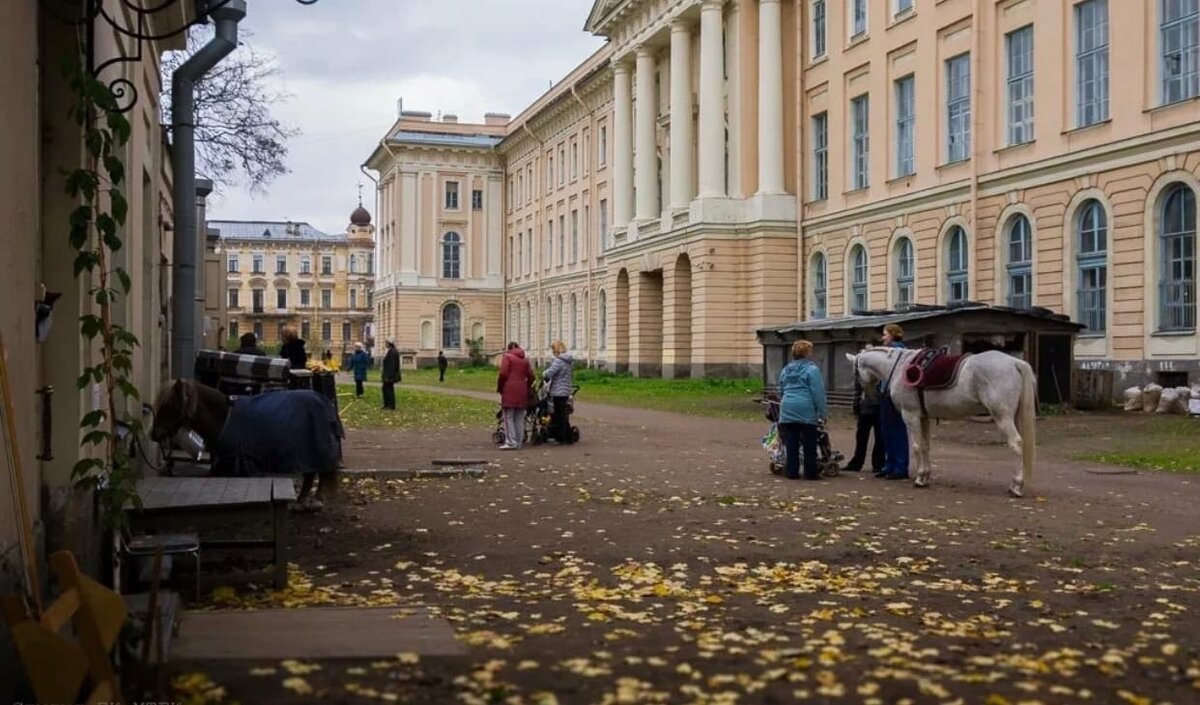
pixel 828 459
pixel 542 417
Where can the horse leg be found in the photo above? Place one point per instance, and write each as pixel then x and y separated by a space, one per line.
pixel 1004 422
pixel 913 422
pixel 921 446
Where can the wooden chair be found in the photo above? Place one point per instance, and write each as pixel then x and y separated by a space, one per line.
pixel 58 665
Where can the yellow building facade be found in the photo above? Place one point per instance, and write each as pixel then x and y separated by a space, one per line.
pixel 820 158
pixel 291 274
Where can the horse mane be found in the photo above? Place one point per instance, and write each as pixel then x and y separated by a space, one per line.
pixel 184 392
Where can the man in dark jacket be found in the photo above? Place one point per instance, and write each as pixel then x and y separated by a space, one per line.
pixel 443 363
pixel 866 409
pixel 249 345
pixel 390 375
pixel 359 362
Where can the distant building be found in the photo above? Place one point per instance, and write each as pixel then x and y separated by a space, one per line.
pixel 283 273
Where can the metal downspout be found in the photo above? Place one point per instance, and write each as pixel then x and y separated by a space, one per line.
pixel 587 247
pixel 183 167
pixel 537 169
pixel 375 246
pixel 976 138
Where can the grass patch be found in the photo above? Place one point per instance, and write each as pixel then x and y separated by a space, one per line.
pixel 1152 442
pixel 414 410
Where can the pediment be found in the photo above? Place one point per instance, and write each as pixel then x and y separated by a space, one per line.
pixel 601 9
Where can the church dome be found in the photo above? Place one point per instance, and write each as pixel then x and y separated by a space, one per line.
pixel 360 217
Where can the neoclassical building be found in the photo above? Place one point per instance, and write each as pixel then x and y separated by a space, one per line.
pixel 721 166
pixel 285 273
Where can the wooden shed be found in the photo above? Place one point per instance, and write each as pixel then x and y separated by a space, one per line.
pixel 1043 338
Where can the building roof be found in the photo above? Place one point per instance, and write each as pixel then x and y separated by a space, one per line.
pixel 272 230
pixel 436 139
pixel 875 320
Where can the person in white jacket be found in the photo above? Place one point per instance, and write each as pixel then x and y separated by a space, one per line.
pixel 560 375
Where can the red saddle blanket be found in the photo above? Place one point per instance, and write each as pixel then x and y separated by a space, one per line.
pixel 933 369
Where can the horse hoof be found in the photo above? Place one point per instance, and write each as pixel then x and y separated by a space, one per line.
pixel 1016 492
pixel 921 483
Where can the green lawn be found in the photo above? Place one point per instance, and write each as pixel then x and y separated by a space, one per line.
pixel 414 410
pixel 1152 442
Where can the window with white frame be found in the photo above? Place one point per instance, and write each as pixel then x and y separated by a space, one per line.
pixel 327 331
pixel 957 268
pixel 602 157
pixel 905 272
pixel 858 16
pixel 326 298
pixel 602 320
pixel 574 159
pixel 1181 50
pixel 281 264
pixel 452 195
pixel 902 6
pixel 529 252
pixel 820 286
pixel 256 264
pixel 353 298
pixel 234 298
pixel 305 264
pixel 233 264
pixel 958 108
pixel 520 254
pixel 347 331
pixel 820 127
pixel 603 233
pixel 281 299
pixel 233 330
pixel 559 319
pixel 549 243
pixel 1020 262
pixel 1091 62
pixel 575 236
pixel 306 297
pixel 451 327
pixel 549 321
pixel 906 127
pixel 1019 48
pixel 860 116
pixel 562 165
pixel 326 265
pixel 1092 260
pixel 451 256
pixel 574 323
pixel 859 299
pixel 1177 240
pixel 818 28
pixel 477 199
pixel 549 174
pixel 354 264
pixel 256 300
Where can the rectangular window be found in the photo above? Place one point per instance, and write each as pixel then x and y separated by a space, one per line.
pixel 905 127
pixel 233 330
pixel 603 156
pixel 603 233
pixel 326 265
pixel 860 116
pixel 1019 46
pixel 234 298
pixel 305 330
pixel 574 159
pixel 587 149
pixel 327 332
pixel 477 199
pixel 587 220
pixel 549 243
pixel 520 268
pixel 326 298
pixel 353 298
pixel 903 6
pixel 256 264
pixel 958 108
pixel 562 165
pixel 575 236
pixel 562 238
pixel 306 297
pixel 233 264
pixel 529 253
pixel 452 195
pixel 256 299
pixel 818 28
pixel 859 11
pixel 281 299
pixel 306 265
pixel 549 174
pixel 258 330
pixel 820 127
pixel 1091 62
pixel 280 264
pixel 1181 49
pixel 347 330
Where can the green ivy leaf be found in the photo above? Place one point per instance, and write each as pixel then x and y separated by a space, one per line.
pixel 125 336
pixel 84 466
pixel 82 181
pixel 115 168
pixel 128 388
pixel 119 125
pixel 95 143
pixel 94 438
pixel 92 418
pixel 126 281
pixel 102 297
pixel 90 325
pixel 106 225
pixel 84 379
pixel 85 262
pixel 119 206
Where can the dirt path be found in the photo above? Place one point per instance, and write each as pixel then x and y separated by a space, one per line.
pixel 658 561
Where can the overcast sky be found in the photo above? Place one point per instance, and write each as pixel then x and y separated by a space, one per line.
pixel 346 62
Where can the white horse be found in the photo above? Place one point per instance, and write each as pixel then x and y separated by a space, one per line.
pixel 992 383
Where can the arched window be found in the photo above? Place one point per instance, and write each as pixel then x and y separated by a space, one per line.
pixel 558 320
pixel 956 266
pixel 451 327
pixel 451 256
pixel 528 324
pixel 820 282
pixel 1020 263
pixel 1178 278
pixel 859 300
pixel 602 320
pixel 1092 258
pixel 905 272
pixel 353 264
pixel 549 321
pixel 574 323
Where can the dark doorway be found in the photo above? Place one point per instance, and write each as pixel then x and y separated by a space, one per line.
pixel 1054 368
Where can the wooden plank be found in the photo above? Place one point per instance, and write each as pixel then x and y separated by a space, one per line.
pixel 283 489
pixel 260 490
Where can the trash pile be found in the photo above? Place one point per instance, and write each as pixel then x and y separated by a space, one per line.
pixel 1155 399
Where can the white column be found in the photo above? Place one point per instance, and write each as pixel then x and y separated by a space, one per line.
pixel 646 169
pixel 712 113
pixel 681 114
pixel 770 98
pixel 622 146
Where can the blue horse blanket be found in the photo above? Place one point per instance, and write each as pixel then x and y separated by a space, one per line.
pixel 280 433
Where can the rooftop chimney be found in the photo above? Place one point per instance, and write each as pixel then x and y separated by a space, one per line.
pixel 416 115
pixel 496 118
pixel 448 117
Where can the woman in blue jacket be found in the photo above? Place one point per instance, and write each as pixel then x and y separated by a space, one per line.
pixel 891 423
pixel 359 362
pixel 802 408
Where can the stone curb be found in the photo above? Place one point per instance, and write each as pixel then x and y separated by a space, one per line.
pixel 417 474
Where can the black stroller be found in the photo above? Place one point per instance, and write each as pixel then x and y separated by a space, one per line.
pixel 828 459
pixel 541 419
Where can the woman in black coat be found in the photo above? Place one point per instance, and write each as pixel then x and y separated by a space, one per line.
pixel 389 375
pixel 293 349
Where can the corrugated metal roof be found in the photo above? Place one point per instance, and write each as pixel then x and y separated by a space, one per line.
pixel 879 319
pixel 443 140
pixel 272 230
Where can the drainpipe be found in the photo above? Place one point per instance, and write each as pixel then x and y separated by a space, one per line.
pixel 587 245
pixel 204 187
pixel 374 246
pixel 183 166
pixel 538 162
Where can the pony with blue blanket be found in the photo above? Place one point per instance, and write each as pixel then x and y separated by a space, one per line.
pixel 275 433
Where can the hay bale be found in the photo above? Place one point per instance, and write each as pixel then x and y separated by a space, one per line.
pixel 1133 399
pixel 1150 396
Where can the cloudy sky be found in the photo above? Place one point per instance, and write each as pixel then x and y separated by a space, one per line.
pixel 346 62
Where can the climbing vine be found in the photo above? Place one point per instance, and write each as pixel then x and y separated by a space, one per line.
pixel 95 237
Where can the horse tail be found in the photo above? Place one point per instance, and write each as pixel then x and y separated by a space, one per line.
pixel 1027 420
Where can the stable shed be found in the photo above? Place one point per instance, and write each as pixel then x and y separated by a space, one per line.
pixel 1043 338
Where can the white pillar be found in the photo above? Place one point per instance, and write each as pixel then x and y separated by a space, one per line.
pixel 770 98
pixel 646 169
pixel 622 146
pixel 681 114
pixel 712 112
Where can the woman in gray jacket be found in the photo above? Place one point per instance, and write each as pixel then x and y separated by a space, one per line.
pixel 560 375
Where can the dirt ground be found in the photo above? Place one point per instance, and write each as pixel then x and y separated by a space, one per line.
pixel 657 561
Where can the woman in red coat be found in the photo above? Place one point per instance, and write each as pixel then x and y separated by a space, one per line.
pixel 514 385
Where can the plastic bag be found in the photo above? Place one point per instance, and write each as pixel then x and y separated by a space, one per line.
pixel 1150 395
pixel 774 446
pixel 1133 399
pixel 1167 401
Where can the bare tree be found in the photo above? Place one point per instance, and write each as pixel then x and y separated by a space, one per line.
pixel 238 138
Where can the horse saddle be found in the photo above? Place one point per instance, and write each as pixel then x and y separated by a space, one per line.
pixel 933 369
